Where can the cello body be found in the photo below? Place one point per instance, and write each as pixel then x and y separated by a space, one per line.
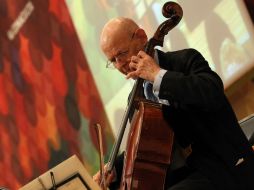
pixel 148 151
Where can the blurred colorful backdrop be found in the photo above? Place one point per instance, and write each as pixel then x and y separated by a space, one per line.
pixel 49 102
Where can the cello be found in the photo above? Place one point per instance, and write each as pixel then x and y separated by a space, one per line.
pixel 150 139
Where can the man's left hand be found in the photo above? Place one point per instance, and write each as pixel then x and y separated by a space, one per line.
pixel 144 67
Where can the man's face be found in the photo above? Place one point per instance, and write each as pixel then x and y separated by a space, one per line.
pixel 120 51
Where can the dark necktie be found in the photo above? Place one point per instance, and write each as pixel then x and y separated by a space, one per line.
pixel 148 91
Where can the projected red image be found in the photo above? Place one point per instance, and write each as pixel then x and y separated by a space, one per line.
pixel 49 101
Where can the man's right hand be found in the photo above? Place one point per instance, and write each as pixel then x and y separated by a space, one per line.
pixel 109 176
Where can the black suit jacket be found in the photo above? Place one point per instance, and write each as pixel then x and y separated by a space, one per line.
pixel 201 115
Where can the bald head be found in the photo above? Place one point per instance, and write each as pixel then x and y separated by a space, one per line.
pixel 116 29
pixel 121 38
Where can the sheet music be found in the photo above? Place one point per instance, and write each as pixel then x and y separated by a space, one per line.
pixel 70 174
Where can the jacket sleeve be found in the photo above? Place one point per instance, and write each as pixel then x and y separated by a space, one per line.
pixel 191 84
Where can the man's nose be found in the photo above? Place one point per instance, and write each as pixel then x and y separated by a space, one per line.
pixel 119 61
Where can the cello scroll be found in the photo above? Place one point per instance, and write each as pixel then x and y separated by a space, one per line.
pixel 174 13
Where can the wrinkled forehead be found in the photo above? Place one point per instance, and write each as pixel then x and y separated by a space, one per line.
pixel 113 38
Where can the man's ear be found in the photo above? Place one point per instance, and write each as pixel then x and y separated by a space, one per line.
pixel 141 34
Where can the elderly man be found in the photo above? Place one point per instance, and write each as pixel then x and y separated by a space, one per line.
pixel 194 105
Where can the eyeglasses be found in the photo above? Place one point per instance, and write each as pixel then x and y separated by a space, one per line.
pixel 121 55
